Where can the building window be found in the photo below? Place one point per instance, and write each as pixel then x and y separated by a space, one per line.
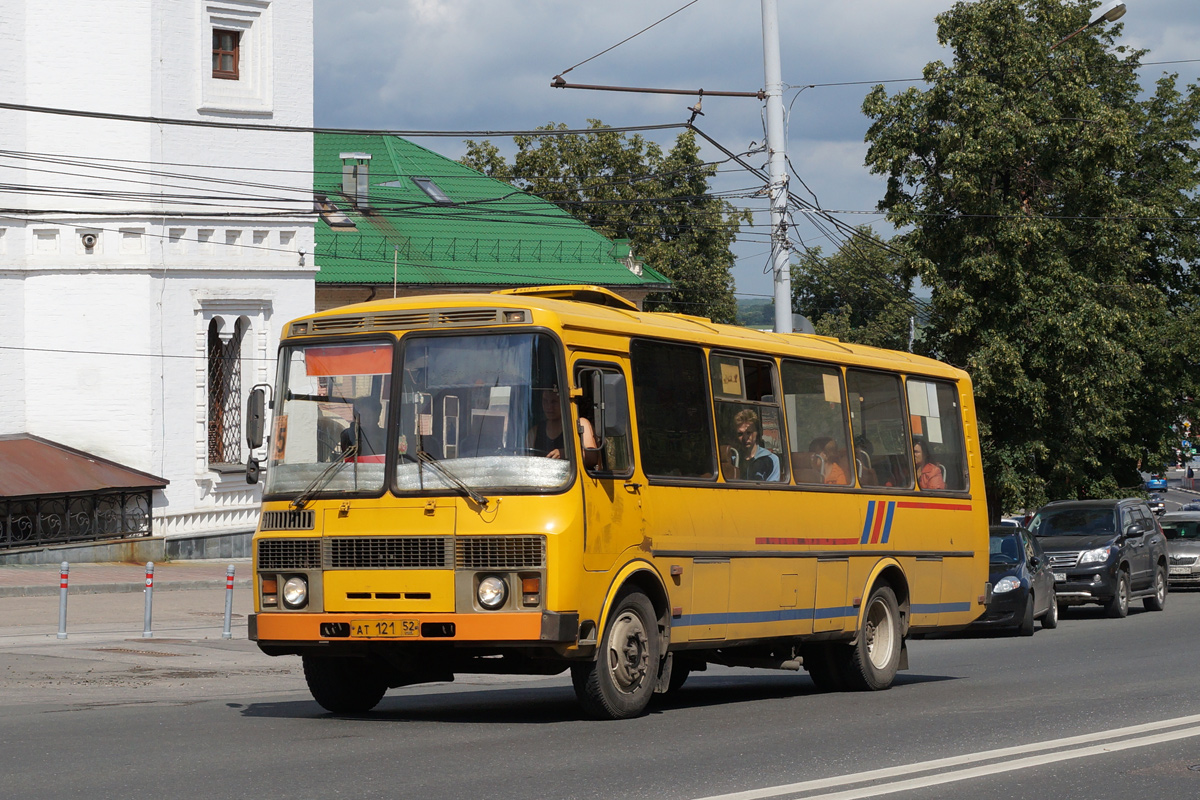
pixel 226 51
pixel 225 392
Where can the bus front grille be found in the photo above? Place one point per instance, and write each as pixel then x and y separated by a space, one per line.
pixel 501 552
pixel 389 552
pixel 282 554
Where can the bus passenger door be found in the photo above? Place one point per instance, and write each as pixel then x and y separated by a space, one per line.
pixel 612 499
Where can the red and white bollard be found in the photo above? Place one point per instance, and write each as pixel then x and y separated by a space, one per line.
pixel 146 630
pixel 62 600
pixel 227 633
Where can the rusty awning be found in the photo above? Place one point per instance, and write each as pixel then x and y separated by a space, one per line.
pixel 34 467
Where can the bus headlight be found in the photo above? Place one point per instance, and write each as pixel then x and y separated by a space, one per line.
pixel 295 591
pixel 492 592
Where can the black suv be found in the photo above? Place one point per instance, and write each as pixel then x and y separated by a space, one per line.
pixel 1104 551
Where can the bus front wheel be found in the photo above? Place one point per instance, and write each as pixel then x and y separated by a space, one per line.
pixel 344 685
pixel 620 682
pixel 872 661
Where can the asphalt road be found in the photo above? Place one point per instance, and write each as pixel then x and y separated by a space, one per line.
pixel 188 715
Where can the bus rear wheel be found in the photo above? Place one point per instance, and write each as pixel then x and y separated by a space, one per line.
pixel 870 664
pixel 344 685
pixel 620 682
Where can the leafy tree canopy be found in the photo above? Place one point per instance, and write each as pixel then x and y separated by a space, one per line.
pixel 1051 209
pixel 862 293
pixel 626 188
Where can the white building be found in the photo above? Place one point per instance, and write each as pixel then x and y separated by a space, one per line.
pixel 146 268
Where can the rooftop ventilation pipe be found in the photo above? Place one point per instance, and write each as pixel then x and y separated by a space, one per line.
pixel 354 179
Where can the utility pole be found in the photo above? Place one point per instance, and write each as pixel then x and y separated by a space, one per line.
pixel 777 167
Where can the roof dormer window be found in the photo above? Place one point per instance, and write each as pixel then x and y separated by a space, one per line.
pixel 434 191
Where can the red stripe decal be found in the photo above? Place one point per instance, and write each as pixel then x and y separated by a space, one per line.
pixel 878 524
pixel 790 540
pixel 935 506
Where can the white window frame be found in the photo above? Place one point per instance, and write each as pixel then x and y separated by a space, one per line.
pixel 252 91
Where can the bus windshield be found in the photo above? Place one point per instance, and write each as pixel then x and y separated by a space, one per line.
pixel 475 412
pixel 488 407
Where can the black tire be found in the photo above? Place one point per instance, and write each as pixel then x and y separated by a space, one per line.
pixel 870 664
pixel 1050 618
pixel 344 685
pixel 1118 605
pixel 824 668
pixel 620 682
pixel 1158 600
pixel 1026 626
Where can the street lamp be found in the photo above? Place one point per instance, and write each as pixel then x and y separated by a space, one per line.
pixel 1110 13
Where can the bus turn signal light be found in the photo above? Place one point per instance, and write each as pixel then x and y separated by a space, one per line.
pixel 531 590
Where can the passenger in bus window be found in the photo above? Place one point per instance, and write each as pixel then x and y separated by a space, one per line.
pixel 929 472
pixel 546 437
pixel 827 460
pixel 751 462
pixel 372 439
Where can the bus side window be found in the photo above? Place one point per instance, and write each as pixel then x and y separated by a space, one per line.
pixel 670 396
pixel 814 403
pixel 878 425
pixel 936 422
pixel 616 454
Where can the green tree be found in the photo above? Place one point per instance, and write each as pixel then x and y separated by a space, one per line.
pixel 862 293
pixel 1051 210
pixel 625 187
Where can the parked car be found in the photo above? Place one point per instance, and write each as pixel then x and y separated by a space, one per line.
pixel 1182 529
pixel 1192 506
pixel 1156 483
pixel 1104 551
pixel 1156 504
pixel 1022 583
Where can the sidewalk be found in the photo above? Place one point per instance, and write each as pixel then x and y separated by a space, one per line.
pixel 35 580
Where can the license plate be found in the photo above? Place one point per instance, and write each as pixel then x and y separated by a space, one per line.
pixel 1180 570
pixel 1059 577
pixel 385 628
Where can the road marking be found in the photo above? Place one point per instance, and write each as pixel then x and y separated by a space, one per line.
pixel 1065 749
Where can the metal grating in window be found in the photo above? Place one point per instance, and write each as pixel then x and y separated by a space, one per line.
pixel 224 395
pixel 501 552
pixel 283 554
pixel 389 552
pixel 290 520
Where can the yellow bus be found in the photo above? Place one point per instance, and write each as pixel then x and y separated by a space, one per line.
pixel 544 479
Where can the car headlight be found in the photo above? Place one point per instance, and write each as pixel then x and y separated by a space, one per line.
pixel 1006 585
pixel 295 591
pixel 492 592
pixel 1098 556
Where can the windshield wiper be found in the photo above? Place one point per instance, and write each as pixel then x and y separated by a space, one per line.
pixel 444 471
pixel 318 483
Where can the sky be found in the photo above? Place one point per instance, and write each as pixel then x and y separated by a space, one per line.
pixel 475 65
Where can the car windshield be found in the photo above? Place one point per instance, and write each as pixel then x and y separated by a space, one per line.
pixel 475 412
pixel 1073 522
pixel 1006 548
pixel 1181 529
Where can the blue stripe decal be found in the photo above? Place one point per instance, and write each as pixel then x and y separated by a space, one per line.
pixel 887 522
pixel 939 608
pixel 866 534
pixel 751 617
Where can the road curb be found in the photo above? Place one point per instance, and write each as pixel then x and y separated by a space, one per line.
pixel 117 588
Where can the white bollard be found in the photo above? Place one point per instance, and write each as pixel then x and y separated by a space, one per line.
pixel 227 633
pixel 62 599
pixel 146 630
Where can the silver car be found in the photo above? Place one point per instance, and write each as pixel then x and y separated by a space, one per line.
pixel 1182 529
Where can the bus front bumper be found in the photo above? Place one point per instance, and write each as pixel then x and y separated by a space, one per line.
pixel 500 627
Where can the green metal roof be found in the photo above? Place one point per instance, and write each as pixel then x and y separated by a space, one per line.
pixel 478 231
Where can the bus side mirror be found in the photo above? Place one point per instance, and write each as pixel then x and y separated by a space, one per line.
pixel 252 470
pixel 593 379
pixel 256 407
